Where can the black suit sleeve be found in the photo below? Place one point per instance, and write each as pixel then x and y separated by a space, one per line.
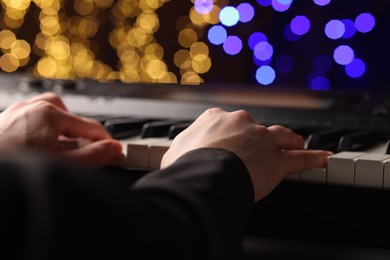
pixel 195 209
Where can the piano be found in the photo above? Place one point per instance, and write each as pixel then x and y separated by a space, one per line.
pixel 343 206
pixel 319 67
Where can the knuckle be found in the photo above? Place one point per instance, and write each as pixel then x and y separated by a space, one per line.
pixel 214 110
pixel 44 108
pixel 242 115
pixel 260 130
pixel 51 96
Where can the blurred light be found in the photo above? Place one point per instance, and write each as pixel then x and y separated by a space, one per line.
pixel 255 38
pixel 356 68
pixel 321 2
pixel 365 22
pixel 263 51
pixel 343 55
pixel 229 16
pixel 320 83
pixel 265 75
pixel 246 12
pixel 300 25
pixel 264 2
pixel 279 6
pixel 350 29
pixel 335 29
pixel 204 6
pixel 232 45
pixel 217 34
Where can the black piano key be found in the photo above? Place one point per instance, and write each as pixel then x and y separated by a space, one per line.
pixel 388 147
pixel 177 129
pixel 103 118
pixel 125 127
pixel 157 128
pixel 327 139
pixel 304 131
pixel 361 140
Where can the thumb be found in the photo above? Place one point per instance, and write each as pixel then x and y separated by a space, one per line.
pixel 96 154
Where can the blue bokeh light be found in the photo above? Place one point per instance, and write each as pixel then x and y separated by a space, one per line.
pixel 255 38
pixel 217 34
pixel 265 75
pixel 300 25
pixel 263 51
pixel 335 29
pixel 264 2
pixel 356 68
pixel 204 6
pixel 246 11
pixel 229 16
pixel 365 22
pixel 350 29
pixel 280 7
pixel 320 83
pixel 343 55
pixel 232 45
pixel 285 2
pixel 321 2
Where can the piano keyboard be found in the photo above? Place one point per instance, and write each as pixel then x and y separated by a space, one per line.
pixel 145 122
pixel 145 141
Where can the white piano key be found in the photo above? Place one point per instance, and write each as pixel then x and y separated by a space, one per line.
pixel 292 177
pixel 341 168
pixel 314 175
pixel 386 174
pixel 144 153
pixel 369 170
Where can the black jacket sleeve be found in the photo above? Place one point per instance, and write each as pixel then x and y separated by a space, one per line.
pixel 195 209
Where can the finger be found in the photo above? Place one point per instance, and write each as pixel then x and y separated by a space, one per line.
pixel 96 154
pixel 72 125
pixel 303 160
pixel 49 97
pixel 286 139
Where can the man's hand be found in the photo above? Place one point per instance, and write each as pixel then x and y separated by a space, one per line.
pixel 40 123
pixel 269 153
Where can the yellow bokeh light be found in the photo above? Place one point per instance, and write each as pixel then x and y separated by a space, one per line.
pixel 148 22
pixel 199 48
pixel 47 67
pixel 68 43
pixel 187 37
pixel 180 57
pixel 156 69
pixel 201 63
pixel 50 25
pixel 20 49
pixel 84 7
pixel 197 18
pixel 7 38
pixel 9 63
pixel 17 4
pixel 191 78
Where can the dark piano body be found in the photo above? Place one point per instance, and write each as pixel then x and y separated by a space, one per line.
pixel 300 219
